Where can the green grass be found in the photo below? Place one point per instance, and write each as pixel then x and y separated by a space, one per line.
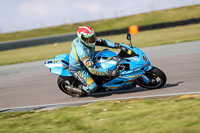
pixel 155 115
pixel 109 24
pixel 142 39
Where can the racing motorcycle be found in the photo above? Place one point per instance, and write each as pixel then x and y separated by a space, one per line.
pixel 133 65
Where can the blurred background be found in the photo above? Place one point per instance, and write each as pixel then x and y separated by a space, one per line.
pixel 22 15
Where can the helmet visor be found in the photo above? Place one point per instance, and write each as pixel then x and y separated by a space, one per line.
pixel 91 39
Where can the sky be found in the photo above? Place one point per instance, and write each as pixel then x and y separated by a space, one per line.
pixel 17 15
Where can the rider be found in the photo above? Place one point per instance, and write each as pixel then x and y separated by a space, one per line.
pixel 81 58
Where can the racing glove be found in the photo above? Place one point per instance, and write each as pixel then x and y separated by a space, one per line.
pixel 105 42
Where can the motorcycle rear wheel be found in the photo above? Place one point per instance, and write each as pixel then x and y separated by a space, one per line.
pixel 67 81
pixel 157 77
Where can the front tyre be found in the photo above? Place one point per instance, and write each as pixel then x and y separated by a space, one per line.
pixel 157 79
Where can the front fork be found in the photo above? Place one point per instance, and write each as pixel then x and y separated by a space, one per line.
pixel 144 77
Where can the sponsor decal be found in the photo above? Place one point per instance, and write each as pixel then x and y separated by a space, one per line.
pixel 135 76
pixel 117 87
pixel 88 63
pixel 85 58
pixel 144 58
pixel 108 58
pixel 129 51
pixel 55 61
pixel 96 72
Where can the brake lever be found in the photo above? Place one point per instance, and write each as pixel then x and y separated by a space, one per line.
pixel 123 68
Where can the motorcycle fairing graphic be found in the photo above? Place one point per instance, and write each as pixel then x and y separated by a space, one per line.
pixel 134 68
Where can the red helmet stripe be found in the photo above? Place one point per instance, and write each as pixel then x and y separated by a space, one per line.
pixel 85 30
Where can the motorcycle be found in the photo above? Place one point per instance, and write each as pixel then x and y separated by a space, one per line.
pixel 133 65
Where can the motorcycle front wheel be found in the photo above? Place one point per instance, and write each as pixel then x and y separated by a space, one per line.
pixel 157 79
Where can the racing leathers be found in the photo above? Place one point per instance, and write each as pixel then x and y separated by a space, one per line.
pixel 81 61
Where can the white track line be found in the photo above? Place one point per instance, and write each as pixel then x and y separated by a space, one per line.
pixel 90 101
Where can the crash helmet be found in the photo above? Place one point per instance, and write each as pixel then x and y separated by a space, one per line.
pixel 86 35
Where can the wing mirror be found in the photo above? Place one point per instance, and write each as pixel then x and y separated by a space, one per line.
pixel 129 37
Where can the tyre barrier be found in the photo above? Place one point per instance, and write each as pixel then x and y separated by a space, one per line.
pixel 69 37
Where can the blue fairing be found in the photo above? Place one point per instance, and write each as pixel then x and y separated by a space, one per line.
pixel 138 64
pixel 135 63
pixel 139 61
pixel 59 65
pixel 104 60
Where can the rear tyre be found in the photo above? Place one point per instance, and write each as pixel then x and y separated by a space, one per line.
pixel 157 77
pixel 63 82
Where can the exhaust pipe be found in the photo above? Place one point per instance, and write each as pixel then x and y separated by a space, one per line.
pixel 74 90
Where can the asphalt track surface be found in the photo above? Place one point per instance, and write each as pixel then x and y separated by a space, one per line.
pixel 31 84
